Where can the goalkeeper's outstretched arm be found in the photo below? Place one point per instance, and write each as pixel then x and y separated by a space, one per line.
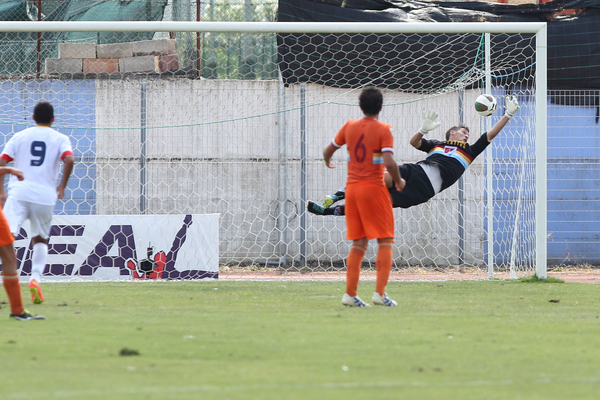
pixel 512 106
pixel 429 123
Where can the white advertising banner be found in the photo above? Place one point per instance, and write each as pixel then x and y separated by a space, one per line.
pixel 125 247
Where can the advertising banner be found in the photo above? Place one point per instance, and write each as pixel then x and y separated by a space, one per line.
pixel 125 247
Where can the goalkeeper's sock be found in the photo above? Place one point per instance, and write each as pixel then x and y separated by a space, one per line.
pixel 339 210
pixel 383 264
pixel 13 291
pixel 340 194
pixel 353 264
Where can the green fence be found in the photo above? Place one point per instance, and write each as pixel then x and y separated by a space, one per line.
pixel 210 55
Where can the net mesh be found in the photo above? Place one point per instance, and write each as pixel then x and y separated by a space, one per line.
pixel 152 138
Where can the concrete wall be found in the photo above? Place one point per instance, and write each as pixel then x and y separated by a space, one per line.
pixel 224 146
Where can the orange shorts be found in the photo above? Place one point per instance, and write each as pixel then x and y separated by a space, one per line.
pixel 368 211
pixel 5 236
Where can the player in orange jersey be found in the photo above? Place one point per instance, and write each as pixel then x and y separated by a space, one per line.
pixel 368 207
pixel 10 275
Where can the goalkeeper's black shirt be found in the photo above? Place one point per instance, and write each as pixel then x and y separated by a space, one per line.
pixel 452 158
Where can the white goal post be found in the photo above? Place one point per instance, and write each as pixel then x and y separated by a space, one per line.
pixel 262 230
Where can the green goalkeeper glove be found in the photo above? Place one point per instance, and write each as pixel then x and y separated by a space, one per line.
pixel 429 123
pixel 512 106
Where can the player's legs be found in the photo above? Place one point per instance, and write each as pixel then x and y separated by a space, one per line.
pixel 356 233
pixel 381 226
pixel 405 171
pixel 318 209
pixel 378 223
pixel 384 266
pixel 353 266
pixel 16 212
pixel 10 279
pixel 38 262
pixel 10 275
pixel 369 216
pixel 40 218
pixel 38 258
pixel 383 263
pixel 331 199
pixel 418 188
pixel 328 201
pixel 373 209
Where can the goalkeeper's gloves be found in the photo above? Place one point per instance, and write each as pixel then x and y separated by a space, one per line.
pixel 429 123
pixel 512 106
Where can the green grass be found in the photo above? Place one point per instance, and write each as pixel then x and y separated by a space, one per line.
pixel 536 279
pixel 293 340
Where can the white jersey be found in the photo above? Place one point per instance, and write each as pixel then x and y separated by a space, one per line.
pixel 37 152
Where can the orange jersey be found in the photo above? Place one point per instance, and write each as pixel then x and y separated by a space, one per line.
pixel 5 236
pixel 366 139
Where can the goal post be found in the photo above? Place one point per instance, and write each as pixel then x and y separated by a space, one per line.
pixel 174 140
pixel 541 110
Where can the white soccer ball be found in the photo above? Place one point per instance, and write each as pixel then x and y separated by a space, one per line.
pixel 486 105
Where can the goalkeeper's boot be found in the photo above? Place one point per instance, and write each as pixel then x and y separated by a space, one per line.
pixel 384 300
pixel 314 208
pixel 26 316
pixel 331 199
pixel 355 301
pixel 36 292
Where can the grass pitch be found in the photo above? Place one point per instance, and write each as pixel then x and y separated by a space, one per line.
pixel 294 340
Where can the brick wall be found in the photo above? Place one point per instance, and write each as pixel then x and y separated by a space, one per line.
pixel 147 56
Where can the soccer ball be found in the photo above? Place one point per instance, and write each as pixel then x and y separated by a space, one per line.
pixel 486 105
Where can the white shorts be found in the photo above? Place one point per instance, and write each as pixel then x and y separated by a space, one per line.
pixel 39 216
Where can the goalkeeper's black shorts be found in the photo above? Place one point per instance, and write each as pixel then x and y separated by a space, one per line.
pixel 418 187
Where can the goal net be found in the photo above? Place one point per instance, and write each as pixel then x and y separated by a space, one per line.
pixel 198 164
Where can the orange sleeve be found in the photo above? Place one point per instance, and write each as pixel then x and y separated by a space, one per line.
pixel 340 139
pixel 387 140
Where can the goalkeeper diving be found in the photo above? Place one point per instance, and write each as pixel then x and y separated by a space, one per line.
pixel 445 163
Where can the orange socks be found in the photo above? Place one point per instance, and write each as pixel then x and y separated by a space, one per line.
pixel 383 264
pixel 13 290
pixel 353 265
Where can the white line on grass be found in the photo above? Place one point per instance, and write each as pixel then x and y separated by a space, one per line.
pixel 324 386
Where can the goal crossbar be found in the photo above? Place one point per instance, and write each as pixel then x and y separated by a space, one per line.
pixel 274 27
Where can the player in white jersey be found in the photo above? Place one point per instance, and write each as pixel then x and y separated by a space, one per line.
pixel 37 152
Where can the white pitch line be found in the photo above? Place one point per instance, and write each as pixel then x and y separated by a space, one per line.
pixel 300 387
